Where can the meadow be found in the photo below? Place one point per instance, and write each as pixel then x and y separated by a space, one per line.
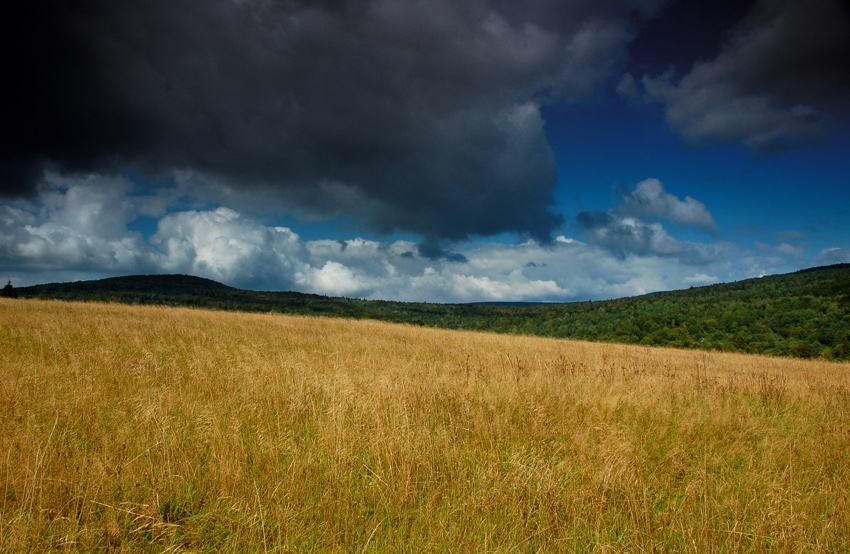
pixel 150 429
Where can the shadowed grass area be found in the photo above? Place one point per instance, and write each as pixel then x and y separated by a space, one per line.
pixel 142 429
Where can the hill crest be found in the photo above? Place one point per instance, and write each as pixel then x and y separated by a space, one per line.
pixel 801 314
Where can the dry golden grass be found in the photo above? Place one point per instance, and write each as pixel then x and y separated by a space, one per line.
pixel 135 429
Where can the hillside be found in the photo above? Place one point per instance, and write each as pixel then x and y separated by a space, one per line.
pixel 147 429
pixel 803 314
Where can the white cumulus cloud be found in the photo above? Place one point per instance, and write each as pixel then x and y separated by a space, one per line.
pixel 649 201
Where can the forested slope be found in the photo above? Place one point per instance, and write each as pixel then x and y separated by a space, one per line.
pixel 803 314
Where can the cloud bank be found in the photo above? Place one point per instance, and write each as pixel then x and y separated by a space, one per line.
pixel 405 115
pixel 81 229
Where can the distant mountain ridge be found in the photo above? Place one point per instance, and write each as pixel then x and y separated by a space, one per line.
pixel 174 283
pixel 802 314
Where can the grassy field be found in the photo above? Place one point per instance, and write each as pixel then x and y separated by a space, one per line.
pixel 139 429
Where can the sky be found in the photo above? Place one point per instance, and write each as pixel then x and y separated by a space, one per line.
pixel 426 150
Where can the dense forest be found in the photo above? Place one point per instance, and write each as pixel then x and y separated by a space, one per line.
pixel 804 314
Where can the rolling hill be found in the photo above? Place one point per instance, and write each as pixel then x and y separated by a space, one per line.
pixel 803 314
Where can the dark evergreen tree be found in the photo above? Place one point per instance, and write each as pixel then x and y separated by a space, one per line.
pixel 9 291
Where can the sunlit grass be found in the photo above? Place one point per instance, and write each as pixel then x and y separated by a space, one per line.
pixel 151 429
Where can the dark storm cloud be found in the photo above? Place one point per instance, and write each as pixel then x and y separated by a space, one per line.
pixel 434 251
pixel 780 81
pixel 595 219
pixel 420 116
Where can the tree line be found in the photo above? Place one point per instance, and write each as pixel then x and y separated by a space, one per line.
pixel 804 314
